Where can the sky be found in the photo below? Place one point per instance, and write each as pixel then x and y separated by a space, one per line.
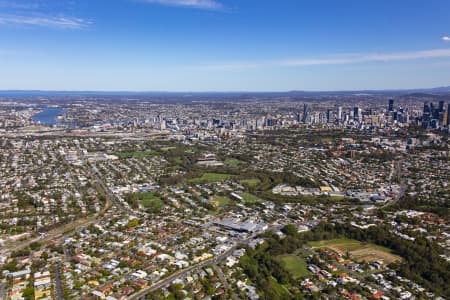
pixel 224 45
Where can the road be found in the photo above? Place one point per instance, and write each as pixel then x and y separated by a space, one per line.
pixel 106 191
pixel 51 235
pixel 3 291
pixel 224 281
pixel 100 184
pixel 182 273
pixel 58 285
pixel 63 231
pixel 67 253
pixel 403 186
pixel 361 278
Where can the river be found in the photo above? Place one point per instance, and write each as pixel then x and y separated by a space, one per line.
pixel 48 115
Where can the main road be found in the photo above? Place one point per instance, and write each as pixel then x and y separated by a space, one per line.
pixel 3 290
pixel 182 273
pixel 58 285
pixel 67 229
pixel 403 186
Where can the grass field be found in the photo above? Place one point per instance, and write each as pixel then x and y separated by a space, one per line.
pixel 210 177
pixel 220 201
pixel 335 197
pixel 251 182
pixel 296 266
pixel 167 148
pixel 343 245
pixel 249 198
pixel 359 251
pixel 135 154
pixel 148 200
pixel 233 162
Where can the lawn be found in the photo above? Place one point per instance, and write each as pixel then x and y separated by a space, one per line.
pixel 249 198
pixel 210 178
pixel 336 197
pixel 233 162
pixel 136 154
pixel 251 182
pixel 167 148
pixel 295 266
pixel 358 250
pixel 340 245
pixel 149 201
pixel 218 201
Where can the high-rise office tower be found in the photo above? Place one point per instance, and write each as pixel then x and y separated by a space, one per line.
pixel 426 116
pixel 434 111
pixel 441 106
pixel 305 112
pixel 356 113
pixel 391 105
pixel 329 115
pixel 340 113
pixel 448 114
pixel 426 111
pixel 445 118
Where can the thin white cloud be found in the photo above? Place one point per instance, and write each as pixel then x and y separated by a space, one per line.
pixel 18 5
pixel 200 4
pixel 446 38
pixel 371 57
pixel 44 21
pixel 335 60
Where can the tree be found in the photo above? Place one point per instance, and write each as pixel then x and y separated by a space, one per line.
pixel 133 223
pixel 28 293
pixel 381 214
pixel 290 229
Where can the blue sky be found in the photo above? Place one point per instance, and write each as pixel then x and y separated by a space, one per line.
pixel 224 45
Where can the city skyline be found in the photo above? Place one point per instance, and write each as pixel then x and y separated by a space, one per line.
pixel 206 45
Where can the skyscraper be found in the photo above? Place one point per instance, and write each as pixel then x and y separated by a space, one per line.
pixel 441 106
pixel 426 111
pixel 329 115
pixel 391 105
pixel 356 113
pixel 448 114
pixel 426 116
pixel 305 112
pixel 445 118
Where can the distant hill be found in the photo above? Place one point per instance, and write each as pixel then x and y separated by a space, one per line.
pixel 399 92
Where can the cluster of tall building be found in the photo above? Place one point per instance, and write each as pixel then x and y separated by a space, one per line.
pixel 366 115
pixel 400 115
pixel 352 116
pixel 434 116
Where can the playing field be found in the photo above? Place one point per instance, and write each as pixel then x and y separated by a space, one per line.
pixel 148 200
pixel 251 182
pixel 210 177
pixel 296 266
pixel 136 154
pixel 358 250
pixel 220 201
pixel 232 162
pixel 249 198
